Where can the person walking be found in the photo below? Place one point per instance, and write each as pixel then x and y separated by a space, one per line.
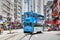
pixel 10 27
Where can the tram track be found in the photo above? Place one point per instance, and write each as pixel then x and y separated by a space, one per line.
pixel 26 36
pixel 10 37
pixel 17 36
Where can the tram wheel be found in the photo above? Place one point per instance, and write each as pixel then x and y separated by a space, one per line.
pixel 39 32
pixel 28 32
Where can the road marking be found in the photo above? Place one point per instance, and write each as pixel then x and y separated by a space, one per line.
pixel 26 38
pixel 36 35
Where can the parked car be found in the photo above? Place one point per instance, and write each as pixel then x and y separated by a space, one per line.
pixel 49 29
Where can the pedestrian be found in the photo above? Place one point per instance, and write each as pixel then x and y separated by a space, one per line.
pixel 59 27
pixel 1 28
pixel 10 27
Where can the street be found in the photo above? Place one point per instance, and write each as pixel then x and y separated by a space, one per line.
pixel 29 19
pixel 19 35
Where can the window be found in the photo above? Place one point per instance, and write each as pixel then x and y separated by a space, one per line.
pixel 8 14
pixel 0 17
pixel 25 1
pixel 15 1
pixel 30 24
pixel 27 20
pixel 27 24
pixel 8 3
pixel 8 9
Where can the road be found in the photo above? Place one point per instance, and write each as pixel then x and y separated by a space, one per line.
pixel 19 35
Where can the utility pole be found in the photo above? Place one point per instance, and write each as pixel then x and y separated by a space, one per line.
pixel 28 5
pixel 43 13
pixel 34 5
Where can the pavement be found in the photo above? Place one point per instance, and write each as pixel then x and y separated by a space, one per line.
pixel 19 35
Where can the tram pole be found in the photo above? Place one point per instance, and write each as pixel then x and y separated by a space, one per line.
pixel 28 5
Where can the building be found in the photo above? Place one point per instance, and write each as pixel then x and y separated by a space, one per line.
pixel 56 12
pixel 7 9
pixel 17 10
pixel 33 5
pixel 48 11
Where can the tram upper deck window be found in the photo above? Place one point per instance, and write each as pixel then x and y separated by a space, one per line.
pixel 30 15
pixel 25 15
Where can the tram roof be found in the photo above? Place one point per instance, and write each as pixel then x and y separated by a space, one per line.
pixel 39 15
pixel 28 12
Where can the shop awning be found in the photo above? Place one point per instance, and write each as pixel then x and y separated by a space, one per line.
pixel 58 22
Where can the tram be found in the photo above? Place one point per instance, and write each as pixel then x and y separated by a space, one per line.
pixel 30 20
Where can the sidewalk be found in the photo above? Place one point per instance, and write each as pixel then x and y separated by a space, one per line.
pixel 7 33
pixel 14 30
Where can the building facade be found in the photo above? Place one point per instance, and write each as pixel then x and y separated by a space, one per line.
pixel 56 12
pixel 33 5
pixel 17 10
pixel 48 12
pixel 7 9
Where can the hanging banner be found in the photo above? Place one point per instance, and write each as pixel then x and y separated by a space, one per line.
pixel 53 14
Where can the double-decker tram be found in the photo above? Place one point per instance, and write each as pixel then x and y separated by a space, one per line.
pixel 30 20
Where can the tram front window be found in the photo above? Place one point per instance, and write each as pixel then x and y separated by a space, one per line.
pixel 30 24
pixel 27 24
pixel 27 20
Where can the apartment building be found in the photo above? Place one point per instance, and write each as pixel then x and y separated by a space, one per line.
pixel 32 5
pixel 7 9
pixel 17 10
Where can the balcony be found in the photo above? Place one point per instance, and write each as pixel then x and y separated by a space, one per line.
pixel 5 3
pixel 9 1
pixel 4 9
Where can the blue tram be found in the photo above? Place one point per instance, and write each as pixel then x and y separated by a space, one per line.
pixel 30 20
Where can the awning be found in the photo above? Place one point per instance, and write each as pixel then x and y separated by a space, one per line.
pixel 58 22
pixel 53 14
